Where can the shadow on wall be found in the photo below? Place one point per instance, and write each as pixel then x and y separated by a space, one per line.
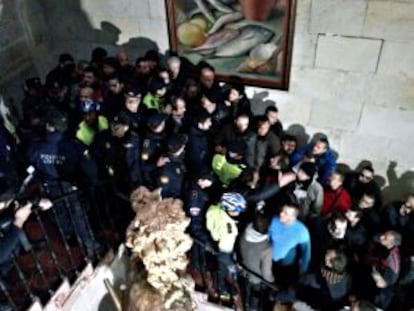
pixel 260 101
pixel 68 22
pixel 399 187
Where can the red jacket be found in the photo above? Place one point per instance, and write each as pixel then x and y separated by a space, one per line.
pixel 335 201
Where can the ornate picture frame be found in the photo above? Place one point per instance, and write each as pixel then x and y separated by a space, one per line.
pixel 250 39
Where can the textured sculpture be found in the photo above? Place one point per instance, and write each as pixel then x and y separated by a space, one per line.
pixel 159 244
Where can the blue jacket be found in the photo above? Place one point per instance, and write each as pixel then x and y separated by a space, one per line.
pixel 171 178
pixel 58 158
pixel 326 162
pixel 290 243
pixel 122 155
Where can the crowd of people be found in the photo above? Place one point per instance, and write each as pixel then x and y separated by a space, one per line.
pixel 300 228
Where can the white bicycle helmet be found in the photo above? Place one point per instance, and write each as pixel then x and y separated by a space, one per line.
pixel 233 202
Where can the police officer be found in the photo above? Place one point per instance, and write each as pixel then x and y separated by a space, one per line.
pixel 153 146
pixel 135 111
pixel 221 222
pixel 117 153
pixel 171 175
pixel 197 199
pixel 58 161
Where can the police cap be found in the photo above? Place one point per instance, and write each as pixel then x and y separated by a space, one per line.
pixel 56 119
pixel 133 91
pixel 156 119
pixel 121 118
pixel 176 142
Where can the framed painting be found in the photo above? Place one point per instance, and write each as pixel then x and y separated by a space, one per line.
pixel 247 39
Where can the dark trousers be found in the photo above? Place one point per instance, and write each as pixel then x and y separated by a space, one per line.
pixel 226 267
pixel 286 277
pixel 253 295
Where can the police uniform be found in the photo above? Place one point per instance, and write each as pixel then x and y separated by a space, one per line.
pixel 153 146
pixel 58 161
pixel 197 201
pixel 196 204
pixel 118 157
pixel 171 176
pixel 135 119
pixel 224 231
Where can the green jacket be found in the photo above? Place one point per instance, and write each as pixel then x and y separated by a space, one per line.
pixel 222 227
pixel 86 133
pixel 226 171
pixel 153 102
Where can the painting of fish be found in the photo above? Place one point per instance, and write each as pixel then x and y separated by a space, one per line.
pixel 216 40
pixel 224 33
pixel 249 37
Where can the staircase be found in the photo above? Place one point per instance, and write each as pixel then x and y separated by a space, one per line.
pixel 88 292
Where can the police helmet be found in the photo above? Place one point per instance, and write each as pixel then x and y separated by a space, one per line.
pixel 89 105
pixel 233 202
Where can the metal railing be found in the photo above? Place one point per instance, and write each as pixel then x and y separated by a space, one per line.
pixel 36 268
pixel 100 205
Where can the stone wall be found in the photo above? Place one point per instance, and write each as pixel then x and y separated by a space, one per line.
pixel 353 79
pixel 352 73
pixel 79 26
pixel 23 35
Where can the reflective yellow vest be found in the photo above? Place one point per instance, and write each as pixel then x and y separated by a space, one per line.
pixel 226 171
pixel 153 102
pixel 222 227
pixel 86 134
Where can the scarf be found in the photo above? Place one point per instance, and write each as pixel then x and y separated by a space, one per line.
pixel 331 276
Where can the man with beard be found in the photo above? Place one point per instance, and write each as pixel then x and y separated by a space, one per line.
pixel 359 182
pixel 90 79
pixel 238 130
pixel 308 191
pixel 267 143
pixel 114 97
